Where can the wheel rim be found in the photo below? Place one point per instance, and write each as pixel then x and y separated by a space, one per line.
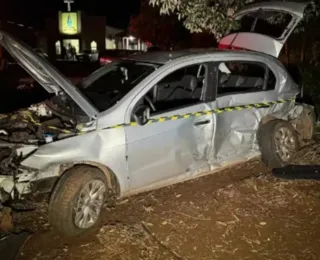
pixel 285 143
pixel 89 203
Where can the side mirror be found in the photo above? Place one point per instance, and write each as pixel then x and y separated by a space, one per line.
pixel 141 114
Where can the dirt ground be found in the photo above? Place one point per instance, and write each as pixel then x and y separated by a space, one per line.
pixel 239 213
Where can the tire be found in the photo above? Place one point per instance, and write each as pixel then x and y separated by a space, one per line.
pixel 267 135
pixel 67 195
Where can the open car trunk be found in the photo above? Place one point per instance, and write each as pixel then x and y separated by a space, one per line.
pixel 264 27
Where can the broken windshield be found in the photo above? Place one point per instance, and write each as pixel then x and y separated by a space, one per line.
pixel 106 86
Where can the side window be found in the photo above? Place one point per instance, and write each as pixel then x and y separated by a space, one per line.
pixel 240 77
pixel 180 88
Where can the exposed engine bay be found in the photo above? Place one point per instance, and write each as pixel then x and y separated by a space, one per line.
pixel 51 120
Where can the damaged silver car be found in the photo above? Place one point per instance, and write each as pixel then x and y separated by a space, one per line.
pixel 149 121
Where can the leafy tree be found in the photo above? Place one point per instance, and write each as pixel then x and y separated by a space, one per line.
pixel 164 31
pixel 213 16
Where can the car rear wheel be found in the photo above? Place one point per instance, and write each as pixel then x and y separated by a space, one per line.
pixel 77 200
pixel 278 141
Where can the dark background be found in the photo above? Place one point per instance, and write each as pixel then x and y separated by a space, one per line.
pixel 33 12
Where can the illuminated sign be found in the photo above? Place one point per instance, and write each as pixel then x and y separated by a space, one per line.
pixel 69 23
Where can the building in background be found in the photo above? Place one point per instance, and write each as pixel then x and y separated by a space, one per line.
pixel 129 42
pixel 120 39
pixel 112 40
pixel 74 28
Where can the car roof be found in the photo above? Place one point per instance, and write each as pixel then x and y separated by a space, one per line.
pixel 162 57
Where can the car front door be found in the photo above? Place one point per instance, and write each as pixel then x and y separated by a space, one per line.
pixel 176 140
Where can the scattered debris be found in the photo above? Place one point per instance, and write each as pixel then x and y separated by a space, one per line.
pixel 232 214
pixel 162 244
pixel 304 165
pixel 122 201
pixel 148 208
pixel 308 155
pixel 189 216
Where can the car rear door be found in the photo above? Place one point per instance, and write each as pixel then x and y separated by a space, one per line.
pixel 248 82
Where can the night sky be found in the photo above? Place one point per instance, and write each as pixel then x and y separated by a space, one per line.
pixel 117 12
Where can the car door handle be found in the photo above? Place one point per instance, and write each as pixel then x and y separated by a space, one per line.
pixel 202 122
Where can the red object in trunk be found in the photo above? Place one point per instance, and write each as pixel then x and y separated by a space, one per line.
pixel 227 46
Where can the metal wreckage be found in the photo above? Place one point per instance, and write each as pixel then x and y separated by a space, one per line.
pixel 22 132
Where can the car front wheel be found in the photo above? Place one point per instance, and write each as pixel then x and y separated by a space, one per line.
pixel 77 200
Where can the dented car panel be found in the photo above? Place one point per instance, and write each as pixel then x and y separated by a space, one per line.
pixel 238 141
pixel 181 149
pixel 104 147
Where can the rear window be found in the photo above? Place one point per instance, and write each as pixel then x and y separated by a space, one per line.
pixel 242 77
pixel 270 23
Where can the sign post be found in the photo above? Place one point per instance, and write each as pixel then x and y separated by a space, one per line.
pixel 68 2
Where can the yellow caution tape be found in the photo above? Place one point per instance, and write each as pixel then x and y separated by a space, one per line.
pixel 207 112
pixel 80 127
